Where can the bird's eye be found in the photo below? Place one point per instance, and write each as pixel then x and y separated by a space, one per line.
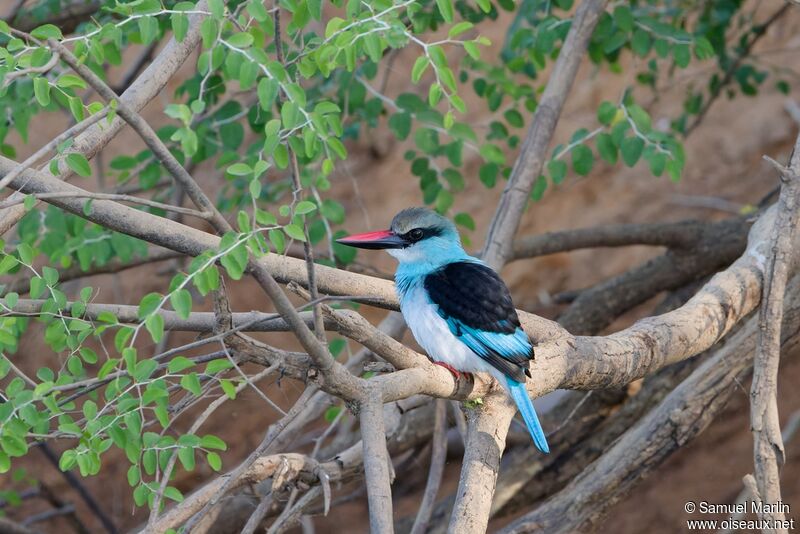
pixel 415 234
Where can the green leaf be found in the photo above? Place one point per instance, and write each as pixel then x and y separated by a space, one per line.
pixel 514 118
pixel 657 162
pixel 214 461
pixel 191 383
pixel 623 18
pixel 458 29
pixel 79 164
pixel 641 43
pixel 240 40
pixel 582 160
pixel 47 31
pixel 179 363
pixel 155 325
pixel 149 304
pixel 215 366
pixel 295 232
pixel 446 9
pixel 640 118
pixel 133 475
pixel 186 456
pixel 631 148
pixel 181 301
pixel 41 90
pixel 180 25
pixel 465 220
pixel 303 207
pixel 682 55
pixel 267 92
pixel 607 148
pixel 557 170
pixel 239 169
pixel 420 65
pixel 50 275
pixel 217 8
pixel 209 441
pixel 26 253
pixel 400 124
pixel 606 113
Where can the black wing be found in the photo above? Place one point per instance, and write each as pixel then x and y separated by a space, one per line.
pixel 477 306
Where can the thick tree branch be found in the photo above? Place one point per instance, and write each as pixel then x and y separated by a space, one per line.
pixel 377 464
pixel 713 246
pixel 486 438
pixel 683 234
pixel 685 412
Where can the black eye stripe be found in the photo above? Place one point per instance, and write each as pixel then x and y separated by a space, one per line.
pixel 418 234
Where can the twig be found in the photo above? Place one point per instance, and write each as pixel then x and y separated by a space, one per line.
pixel 67 509
pixel 116 197
pixel 707 202
pixel 139 94
pixel 47 67
pixel 749 481
pixel 198 422
pixel 438 457
pixel 233 477
pixel 258 514
pixel 78 486
pixel 319 329
pixel 52 145
pixel 149 136
pixel 759 31
pixel 290 515
pixel 768 449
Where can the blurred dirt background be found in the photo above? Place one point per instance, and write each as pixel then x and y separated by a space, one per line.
pixel 724 162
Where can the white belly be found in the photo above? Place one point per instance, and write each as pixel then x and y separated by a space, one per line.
pixel 433 334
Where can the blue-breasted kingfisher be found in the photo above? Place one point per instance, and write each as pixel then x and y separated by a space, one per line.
pixel 457 307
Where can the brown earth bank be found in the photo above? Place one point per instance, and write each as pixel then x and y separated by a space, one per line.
pixel 724 161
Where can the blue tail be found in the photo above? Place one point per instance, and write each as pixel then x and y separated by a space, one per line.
pixel 520 396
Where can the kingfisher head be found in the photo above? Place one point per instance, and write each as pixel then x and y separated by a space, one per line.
pixel 415 235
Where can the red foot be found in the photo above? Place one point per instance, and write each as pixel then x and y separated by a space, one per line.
pixel 455 372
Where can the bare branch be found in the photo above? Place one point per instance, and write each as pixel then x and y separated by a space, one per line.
pixel 112 196
pixel 377 463
pixel 436 470
pixel 486 438
pixel 682 234
pixel 768 449
pixel 528 166
pixel 47 67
